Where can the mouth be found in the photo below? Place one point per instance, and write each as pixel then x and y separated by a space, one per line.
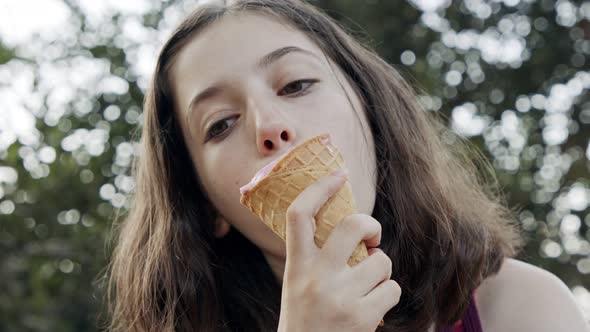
pixel 263 172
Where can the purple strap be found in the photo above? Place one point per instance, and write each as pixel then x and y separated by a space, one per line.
pixel 470 321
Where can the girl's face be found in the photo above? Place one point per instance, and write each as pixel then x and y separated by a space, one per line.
pixel 247 89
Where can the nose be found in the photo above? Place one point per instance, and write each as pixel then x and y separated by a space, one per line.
pixel 274 133
pixel 273 137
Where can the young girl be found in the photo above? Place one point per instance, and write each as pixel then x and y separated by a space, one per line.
pixel 236 85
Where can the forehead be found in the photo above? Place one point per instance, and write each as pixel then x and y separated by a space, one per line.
pixel 233 43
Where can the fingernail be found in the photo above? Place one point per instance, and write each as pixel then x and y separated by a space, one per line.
pixel 341 173
pixel 373 250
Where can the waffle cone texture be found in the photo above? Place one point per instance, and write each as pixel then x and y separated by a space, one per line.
pixel 270 197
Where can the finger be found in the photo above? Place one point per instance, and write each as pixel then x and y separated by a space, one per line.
pixel 346 236
pixel 299 232
pixel 370 272
pixel 382 298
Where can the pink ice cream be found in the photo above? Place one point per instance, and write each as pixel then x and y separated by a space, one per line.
pixel 263 172
pixel 266 169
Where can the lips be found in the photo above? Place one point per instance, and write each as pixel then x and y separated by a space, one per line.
pixel 263 172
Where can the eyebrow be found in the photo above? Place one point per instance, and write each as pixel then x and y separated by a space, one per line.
pixel 263 63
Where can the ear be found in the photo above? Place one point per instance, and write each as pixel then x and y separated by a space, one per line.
pixel 221 227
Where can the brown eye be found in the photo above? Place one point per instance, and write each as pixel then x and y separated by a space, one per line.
pixel 220 127
pixel 297 88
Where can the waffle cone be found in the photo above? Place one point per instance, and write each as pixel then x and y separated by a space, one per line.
pixel 270 198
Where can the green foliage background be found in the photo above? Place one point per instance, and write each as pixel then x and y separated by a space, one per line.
pixel 518 70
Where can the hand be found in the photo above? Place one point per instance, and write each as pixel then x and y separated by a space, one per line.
pixel 320 291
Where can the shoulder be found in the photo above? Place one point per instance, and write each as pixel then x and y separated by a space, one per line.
pixel 523 297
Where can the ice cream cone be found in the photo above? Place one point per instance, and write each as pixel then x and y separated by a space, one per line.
pixel 272 194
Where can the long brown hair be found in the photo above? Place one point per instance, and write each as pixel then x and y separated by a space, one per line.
pixel 444 222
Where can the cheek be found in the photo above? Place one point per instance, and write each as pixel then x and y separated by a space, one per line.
pixel 353 137
pixel 332 113
pixel 337 116
pixel 223 173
